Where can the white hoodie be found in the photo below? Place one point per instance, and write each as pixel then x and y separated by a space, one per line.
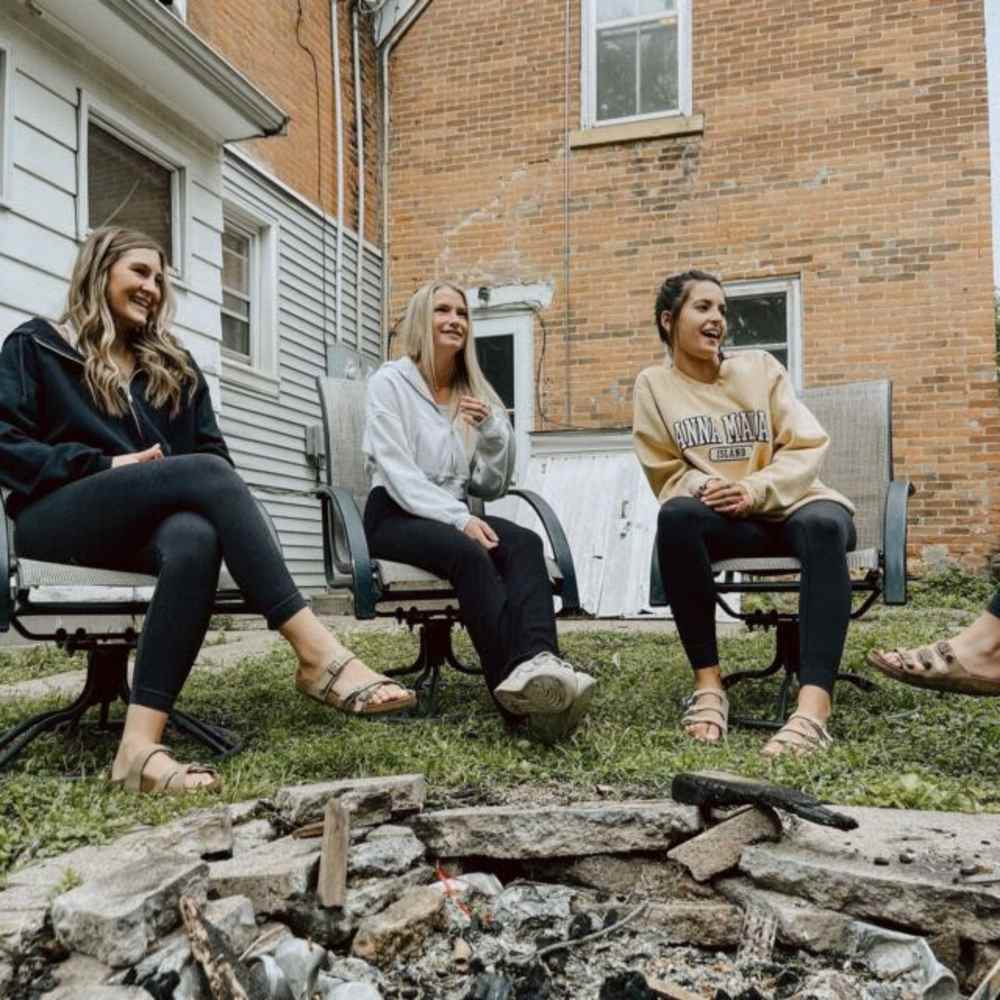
pixel 414 449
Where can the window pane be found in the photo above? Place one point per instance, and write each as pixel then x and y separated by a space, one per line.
pixel 236 335
pixel 759 321
pixel 236 304
pixel 657 6
pixel 235 262
pixel 658 85
pixel 125 188
pixel 496 358
pixel 616 68
pixel 611 10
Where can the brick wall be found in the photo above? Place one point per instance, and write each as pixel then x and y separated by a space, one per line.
pixel 260 38
pixel 845 144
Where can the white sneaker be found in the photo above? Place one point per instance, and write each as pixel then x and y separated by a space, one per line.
pixel 542 684
pixel 548 727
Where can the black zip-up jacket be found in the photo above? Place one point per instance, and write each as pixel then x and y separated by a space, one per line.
pixel 52 432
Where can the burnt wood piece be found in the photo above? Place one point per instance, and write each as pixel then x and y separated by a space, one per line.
pixel 228 978
pixel 720 788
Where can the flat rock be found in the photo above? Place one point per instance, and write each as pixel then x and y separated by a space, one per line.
pixel 927 895
pixel 81 972
pixel 382 856
pixel 206 833
pixel 721 788
pixel 270 874
pixel 401 929
pixel 533 906
pixel 23 912
pixel 800 924
pixel 707 925
pixel 251 835
pixel 719 848
pixel 555 831
pixel 117 917
pixel 648 877
pixel 369 800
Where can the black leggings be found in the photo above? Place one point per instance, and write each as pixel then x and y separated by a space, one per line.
pixel 504 595
pixel 176 519
pixel 994 608
pixel 691 536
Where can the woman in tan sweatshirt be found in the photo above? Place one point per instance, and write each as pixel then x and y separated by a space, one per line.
pixel 733 456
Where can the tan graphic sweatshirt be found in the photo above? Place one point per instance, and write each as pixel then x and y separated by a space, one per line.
pixel 747 427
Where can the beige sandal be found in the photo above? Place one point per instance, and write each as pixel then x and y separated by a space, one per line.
pixel 936 667
pixel 701 713
pixel 812 737
pixel 167 784
pixel 322 691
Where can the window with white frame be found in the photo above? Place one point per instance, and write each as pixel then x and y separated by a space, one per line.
pixel 636 60
pixel 249 311
pixel 131 178
pixel 6 119
pixel 766 315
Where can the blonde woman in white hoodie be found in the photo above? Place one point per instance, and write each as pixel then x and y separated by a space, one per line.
pixel 437 433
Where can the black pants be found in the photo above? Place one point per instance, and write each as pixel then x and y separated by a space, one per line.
pixel 504 595
pixel 994 608
pixel 176 519
pixel 690 536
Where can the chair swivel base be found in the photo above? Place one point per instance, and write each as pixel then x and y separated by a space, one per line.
pixel 786 658
pixel 106 682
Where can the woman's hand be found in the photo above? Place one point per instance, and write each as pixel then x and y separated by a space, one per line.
pixel 474 411
pixel 731 499
pixel 153 454
pixel 479 531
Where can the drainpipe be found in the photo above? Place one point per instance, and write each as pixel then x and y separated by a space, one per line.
pixel 359 125
pixel 387 47
pixel 338 121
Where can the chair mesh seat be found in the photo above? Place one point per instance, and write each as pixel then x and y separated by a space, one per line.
pixel 33 574
pixel 401 576
pixel 862 559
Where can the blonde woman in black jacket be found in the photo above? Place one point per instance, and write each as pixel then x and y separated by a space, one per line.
pixel 113 459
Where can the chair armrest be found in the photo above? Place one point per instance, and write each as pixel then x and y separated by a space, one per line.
pixel 894 541
pixel 560 546
pixel 340 510
pixel 8 560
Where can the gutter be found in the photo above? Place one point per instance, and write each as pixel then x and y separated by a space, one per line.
pixel 387 46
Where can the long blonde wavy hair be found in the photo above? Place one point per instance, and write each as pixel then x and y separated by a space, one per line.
pixel 87 318
pixel 416 333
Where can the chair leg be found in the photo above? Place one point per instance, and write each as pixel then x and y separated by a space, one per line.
pixel 221 742
pixel 786 657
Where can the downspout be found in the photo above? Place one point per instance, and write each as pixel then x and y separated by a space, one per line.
pixel 359 126
pixel 390 43
pixel 339 128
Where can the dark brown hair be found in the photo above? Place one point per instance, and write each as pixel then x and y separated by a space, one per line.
pixel 673 294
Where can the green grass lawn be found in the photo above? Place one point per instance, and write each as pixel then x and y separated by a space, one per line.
pixel 898 747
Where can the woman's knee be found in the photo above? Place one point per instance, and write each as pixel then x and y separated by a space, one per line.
pixel 679 518
pixel 189 541
pixel 211 471
pixel 824 529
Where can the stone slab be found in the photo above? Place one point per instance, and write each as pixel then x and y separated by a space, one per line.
pixel 707 925
pixel 863 873
pixel 270 874
pixel 117 917
pixel 556 831
pixel 719 848
pixel 384 856
pixel 368 800
pixel 399 930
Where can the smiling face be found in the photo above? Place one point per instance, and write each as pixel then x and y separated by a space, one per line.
pixel 451 324
pixel 135 289
pixel 698 331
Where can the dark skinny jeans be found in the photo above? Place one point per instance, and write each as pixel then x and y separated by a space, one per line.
pixel 175 519
pixel 691 536
pixel 504 595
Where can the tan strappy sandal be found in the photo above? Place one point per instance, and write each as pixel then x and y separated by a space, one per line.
pixel 936 667
pixel 322 691
pixel 707 706
pixel 810 737
pixel 171 783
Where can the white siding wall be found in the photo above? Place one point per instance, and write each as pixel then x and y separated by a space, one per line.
pixel 266 433
pixel 38 227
